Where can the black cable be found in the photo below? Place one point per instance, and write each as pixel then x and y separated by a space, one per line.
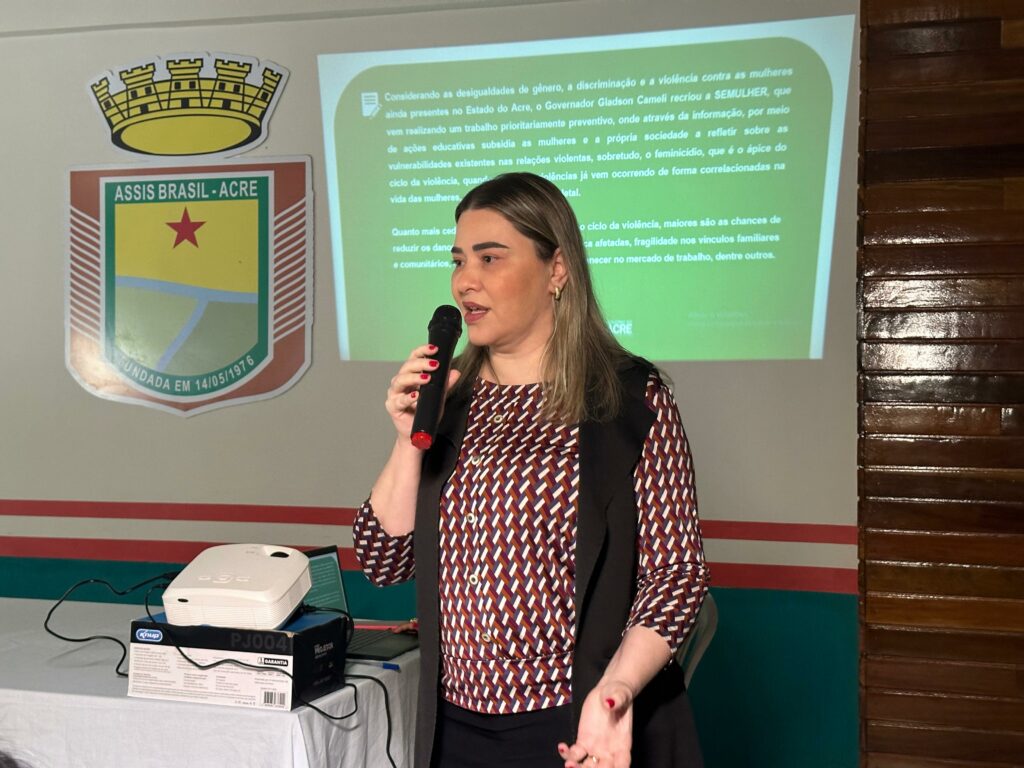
pixel 387 713
pixel 304 609
pixel 109 586
pixel 387 700
pixel 247 665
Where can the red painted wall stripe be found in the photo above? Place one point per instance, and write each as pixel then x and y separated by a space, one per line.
pixel 124 550
pixel 235 513
pixel 121 550
pixel 801 578
pixel 812 533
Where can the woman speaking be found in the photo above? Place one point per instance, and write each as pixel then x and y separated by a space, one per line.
pixel 552 524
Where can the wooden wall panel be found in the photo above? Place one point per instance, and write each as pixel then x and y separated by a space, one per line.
pixel 941 383
pixel 949 711
pixel 957 131
pixel 944 227
pixel 941 389
pixel 938 483
pixel 942 579
pixel 941 259
pixel 942 292
pixel 960 516
pixel 943 69
pixel 992 98
pixel 945 547
pixel 945 195
pixel 1012 35
pixel 955 743
pixel 950 677
pixel 877 14
pixel 890 643
pixel 906 40
pixel 876 760
pixel 952 612
pixel 961 162
pixel 882 418
pixel 952 324
pixel 918 451
pixel 968 356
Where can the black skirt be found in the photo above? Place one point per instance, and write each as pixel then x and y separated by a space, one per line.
pixel 524 740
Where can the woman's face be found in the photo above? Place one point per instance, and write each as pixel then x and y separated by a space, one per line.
pixel 501 285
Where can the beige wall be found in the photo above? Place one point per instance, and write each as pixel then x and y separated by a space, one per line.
pixel 773 440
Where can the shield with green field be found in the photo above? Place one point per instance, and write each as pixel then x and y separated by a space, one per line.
pixel 186 281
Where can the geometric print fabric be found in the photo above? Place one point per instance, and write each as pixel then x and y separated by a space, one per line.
pixel 507 549
pixel 506 556
pixel 672 576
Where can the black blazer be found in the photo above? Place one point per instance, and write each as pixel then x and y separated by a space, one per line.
pixel 663 728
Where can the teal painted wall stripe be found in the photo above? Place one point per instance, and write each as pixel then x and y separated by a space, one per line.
pixel 777 687
pixel 47 579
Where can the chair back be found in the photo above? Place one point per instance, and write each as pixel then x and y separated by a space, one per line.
pixel 693 647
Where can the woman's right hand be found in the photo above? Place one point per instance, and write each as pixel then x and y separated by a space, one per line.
pixel 405 386
pixel 393 497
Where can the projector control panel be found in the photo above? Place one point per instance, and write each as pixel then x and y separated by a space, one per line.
pixel 253 586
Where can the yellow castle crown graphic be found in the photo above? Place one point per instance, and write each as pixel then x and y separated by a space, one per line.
pixel 188 113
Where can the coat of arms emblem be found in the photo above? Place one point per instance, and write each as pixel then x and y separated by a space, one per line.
pixel 189 287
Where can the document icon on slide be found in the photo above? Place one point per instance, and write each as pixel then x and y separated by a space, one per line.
pixel 371 103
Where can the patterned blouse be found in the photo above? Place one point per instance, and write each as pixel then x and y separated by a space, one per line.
pixel 507 543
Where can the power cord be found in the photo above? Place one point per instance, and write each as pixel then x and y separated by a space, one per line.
pixel 387 700
pixel 303 609
pixel 120 593
pixel 387 712
pixel 239 663
pixel 164 577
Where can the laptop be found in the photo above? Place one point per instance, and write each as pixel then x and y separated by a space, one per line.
pixel 328 591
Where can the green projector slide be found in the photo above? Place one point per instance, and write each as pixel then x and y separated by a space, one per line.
pixel 702 165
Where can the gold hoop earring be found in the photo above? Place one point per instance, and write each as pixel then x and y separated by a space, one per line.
pixel 558 293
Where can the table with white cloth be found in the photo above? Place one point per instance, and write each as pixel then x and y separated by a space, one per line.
pixel 62 706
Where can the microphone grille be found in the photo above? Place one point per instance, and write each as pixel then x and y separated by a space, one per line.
pixel 446 315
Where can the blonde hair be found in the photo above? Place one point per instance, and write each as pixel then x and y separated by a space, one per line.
pixel 578 371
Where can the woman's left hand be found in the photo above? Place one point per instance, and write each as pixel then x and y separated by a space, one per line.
pixel 605 735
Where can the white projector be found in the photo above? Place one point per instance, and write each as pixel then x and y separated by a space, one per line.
pixel 242 586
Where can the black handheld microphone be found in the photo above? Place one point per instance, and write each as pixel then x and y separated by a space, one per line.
pixel 443 332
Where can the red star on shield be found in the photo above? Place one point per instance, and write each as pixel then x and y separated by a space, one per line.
pixel 185 229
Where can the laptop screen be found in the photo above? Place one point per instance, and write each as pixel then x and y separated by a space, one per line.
pixel 328 590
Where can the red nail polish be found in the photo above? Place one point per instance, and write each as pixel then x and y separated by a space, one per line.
pixel 610 703
pixel 425 376
pixel 414 395
pixel 432 347
pixel 433 363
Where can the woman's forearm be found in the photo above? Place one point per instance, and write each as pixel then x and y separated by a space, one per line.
pixel 393 497
pixel 641 655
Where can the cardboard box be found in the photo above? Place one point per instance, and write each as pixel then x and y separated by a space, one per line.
pixel 311 649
